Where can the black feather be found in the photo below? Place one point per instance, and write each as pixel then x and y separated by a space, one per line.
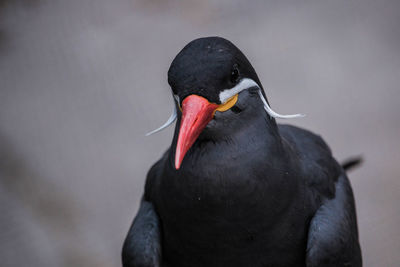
pixel 352 163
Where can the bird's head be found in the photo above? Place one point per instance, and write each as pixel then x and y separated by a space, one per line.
pixel 212 81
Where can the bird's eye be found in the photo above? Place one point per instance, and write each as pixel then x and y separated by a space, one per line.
pixel 235 75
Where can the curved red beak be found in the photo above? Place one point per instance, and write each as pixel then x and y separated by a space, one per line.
pixel 197 112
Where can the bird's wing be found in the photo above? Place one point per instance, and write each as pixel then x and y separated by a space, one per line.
pixel 142 246
pixel 333 236
pixel 320 168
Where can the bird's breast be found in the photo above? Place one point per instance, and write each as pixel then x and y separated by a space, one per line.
pixel 222 210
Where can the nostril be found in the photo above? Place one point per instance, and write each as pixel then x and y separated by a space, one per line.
pixel 236 109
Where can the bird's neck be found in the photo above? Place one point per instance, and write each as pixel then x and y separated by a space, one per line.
pixel 258 142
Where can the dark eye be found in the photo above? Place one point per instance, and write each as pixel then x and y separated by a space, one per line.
pixel 235 74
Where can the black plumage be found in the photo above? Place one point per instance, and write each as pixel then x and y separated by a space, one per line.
pixel 249 192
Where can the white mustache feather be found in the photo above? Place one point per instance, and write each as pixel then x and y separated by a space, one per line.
pixel 171 120
pixel 226 94
pixel 274 114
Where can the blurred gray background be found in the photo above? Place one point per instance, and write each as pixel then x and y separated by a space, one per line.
pixel 81 82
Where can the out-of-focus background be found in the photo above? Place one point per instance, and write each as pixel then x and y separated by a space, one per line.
pixel 81 82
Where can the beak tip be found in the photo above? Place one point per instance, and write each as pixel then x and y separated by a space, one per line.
pixel 177 163
pixel 177 166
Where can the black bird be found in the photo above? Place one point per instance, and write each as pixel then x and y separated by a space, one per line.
pixel 235 188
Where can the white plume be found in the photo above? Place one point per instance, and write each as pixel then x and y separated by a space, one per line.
pixel 171 120
pixel 225 94
pixel 273 113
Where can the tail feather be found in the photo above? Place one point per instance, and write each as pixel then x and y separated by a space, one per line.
pixel 352 163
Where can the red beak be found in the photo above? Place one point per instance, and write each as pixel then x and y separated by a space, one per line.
pixel 197 112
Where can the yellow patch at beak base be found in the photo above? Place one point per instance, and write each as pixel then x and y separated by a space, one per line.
pixel 228 104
